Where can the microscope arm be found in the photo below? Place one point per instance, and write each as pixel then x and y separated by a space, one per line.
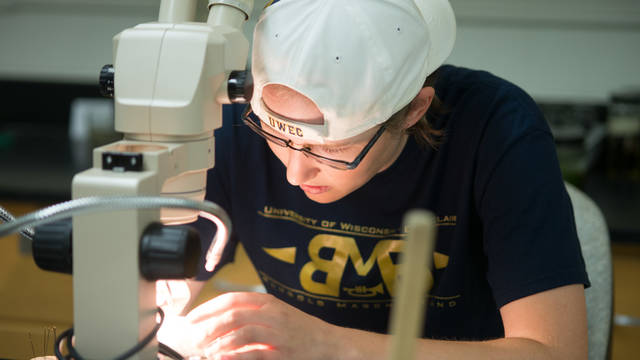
pixel 169 83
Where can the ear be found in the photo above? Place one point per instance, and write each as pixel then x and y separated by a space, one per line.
pixel 419 106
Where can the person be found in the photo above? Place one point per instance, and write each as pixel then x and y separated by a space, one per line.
pixel 354 120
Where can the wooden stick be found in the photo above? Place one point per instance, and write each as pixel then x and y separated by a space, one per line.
pixel 33 349
pixel 55 337
pixel 412 284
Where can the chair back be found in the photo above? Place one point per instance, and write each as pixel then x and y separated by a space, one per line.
pixel 596 250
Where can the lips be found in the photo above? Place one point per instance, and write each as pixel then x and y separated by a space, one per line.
pixel 309 189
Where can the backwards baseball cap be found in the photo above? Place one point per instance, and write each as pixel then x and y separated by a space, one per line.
pixel 359 61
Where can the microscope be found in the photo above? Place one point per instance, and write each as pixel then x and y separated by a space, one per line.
pixel 169 80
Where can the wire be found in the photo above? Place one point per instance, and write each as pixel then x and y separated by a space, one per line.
pixel 56 350
pixel 166 350
pixel 86 205
pixel 73 353
pixel 6 217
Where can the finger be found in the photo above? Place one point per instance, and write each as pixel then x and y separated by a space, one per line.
pixel 180 296
pixel 162 293
pixel 249 355
pixel 225 302
pixel 172 296
pixel 178 289
pixel 251 337
pixel 251 352
pixel 217 326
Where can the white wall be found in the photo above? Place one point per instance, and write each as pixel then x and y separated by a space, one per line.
pixel 576 50
pixel 68 41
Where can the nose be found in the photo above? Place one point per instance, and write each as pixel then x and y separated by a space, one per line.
pixel 300 168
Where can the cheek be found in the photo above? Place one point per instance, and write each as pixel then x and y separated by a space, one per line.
pixel 281 153
pixel 383 154
pixel 348 180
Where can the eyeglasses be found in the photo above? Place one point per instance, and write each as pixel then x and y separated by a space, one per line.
pixel 334 163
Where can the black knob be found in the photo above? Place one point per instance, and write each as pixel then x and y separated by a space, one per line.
pixel 169 252
pixel 106 80
pixel 240 86
pixel 51 246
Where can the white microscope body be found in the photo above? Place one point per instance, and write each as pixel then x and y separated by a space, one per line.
pixel 169 86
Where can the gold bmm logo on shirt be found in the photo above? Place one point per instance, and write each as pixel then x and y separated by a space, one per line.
pixel 285 128
pixel 333 251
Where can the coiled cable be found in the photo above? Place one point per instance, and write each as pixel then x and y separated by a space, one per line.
pixel 73 353
pixel 6 217
pixel 208 210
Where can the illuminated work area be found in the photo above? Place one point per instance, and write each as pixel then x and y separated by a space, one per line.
pixel 301 179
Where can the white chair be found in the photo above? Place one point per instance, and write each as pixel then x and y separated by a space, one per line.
pixel 596 250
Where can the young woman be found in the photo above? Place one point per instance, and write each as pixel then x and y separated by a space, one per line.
pixel 340 140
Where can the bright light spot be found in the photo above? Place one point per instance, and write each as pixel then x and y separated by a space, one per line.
pixel 253 347
pixel 244 349
pixel 179 334
pixel 172 296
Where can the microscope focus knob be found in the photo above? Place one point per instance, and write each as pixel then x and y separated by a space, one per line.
pixel 107 80
pixel 51 246
pixel 240 86
pixel 169 252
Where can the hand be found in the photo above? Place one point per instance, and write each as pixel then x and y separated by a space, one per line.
pixel 260 326
pixel 180 335
pixel 173 296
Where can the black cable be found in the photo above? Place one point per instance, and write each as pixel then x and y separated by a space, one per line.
pixel 166 350
pixel 56 349
pixel 73 354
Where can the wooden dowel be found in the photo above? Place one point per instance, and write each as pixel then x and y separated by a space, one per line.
pixel 412 283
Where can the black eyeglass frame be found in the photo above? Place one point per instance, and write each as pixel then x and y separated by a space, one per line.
pixel 334 163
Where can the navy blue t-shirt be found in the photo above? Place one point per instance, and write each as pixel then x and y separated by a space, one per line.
pixel 505 222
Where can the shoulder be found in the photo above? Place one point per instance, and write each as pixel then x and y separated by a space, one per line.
pixel 489 99
pixel 457 82
pixel 487 108
pixel 235 146
pixel 234 140
pixel 232 126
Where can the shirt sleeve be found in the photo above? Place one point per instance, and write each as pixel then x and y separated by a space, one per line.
pixel 529 234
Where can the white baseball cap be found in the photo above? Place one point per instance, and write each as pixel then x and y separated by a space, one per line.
pixel 359 61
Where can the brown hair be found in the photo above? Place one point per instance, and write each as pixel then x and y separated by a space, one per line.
pixel 422 131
